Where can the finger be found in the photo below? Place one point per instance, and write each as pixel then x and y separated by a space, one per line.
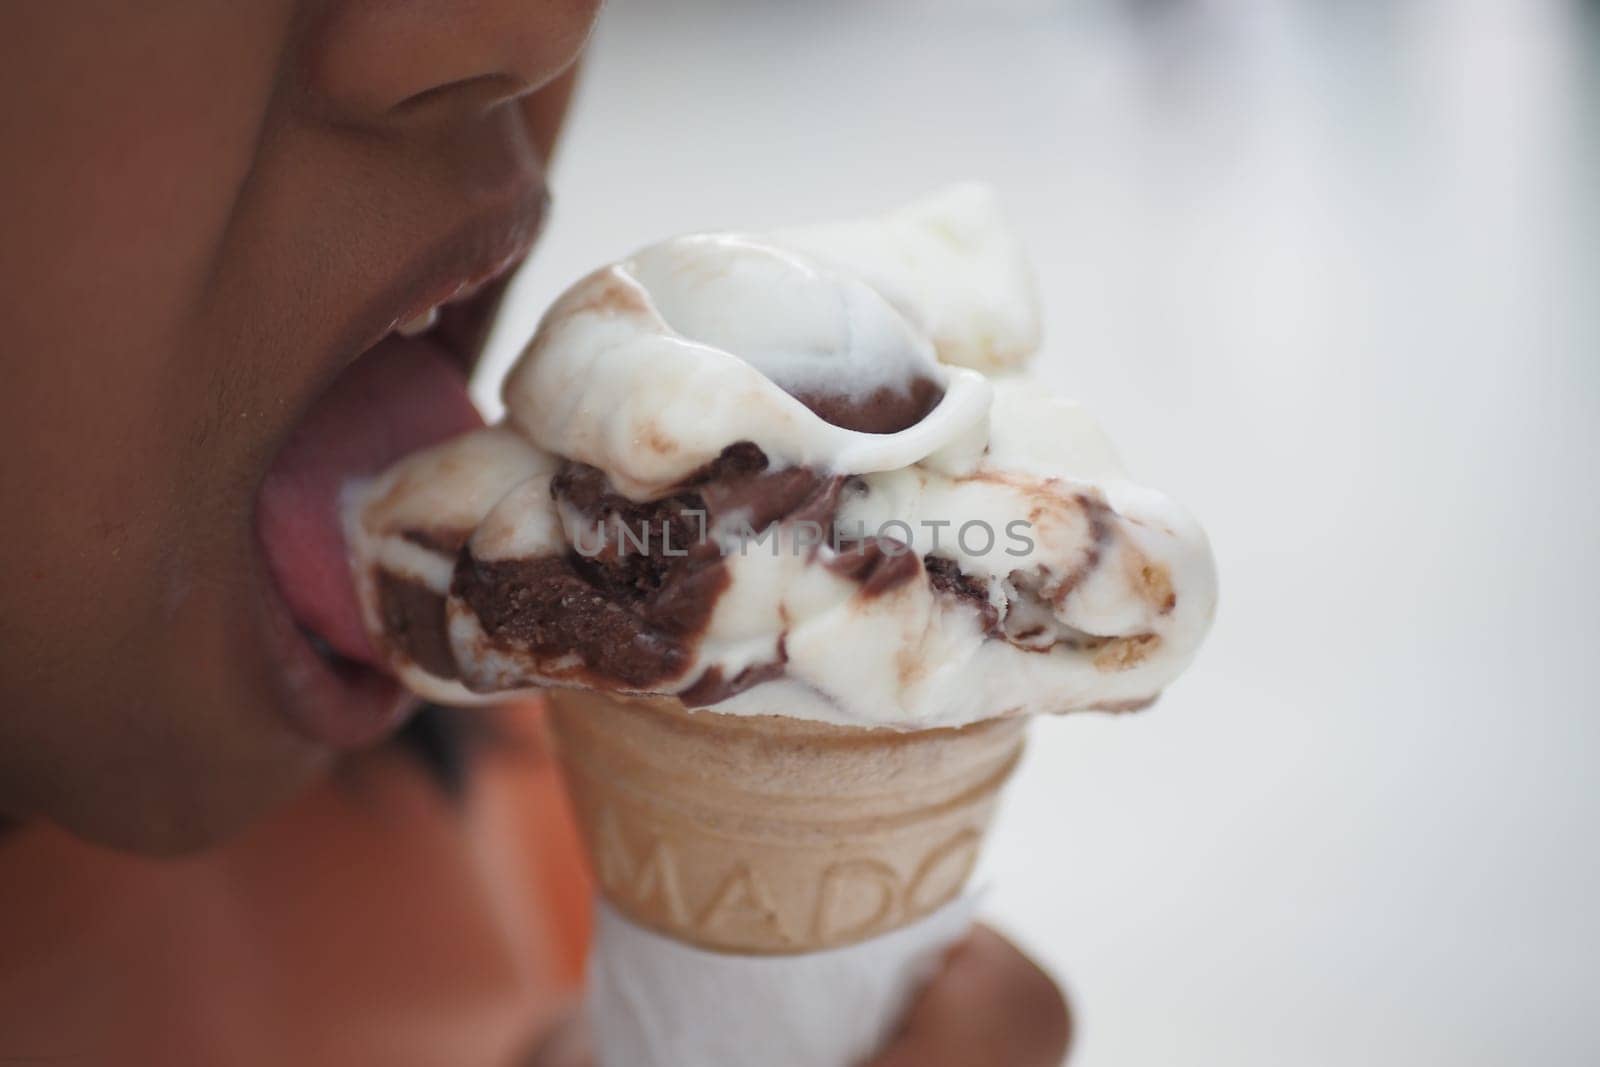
pixel 990 1005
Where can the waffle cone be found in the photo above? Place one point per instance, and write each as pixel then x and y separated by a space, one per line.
pixel 767 834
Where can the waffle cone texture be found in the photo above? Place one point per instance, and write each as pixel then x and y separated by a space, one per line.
pixel 770 834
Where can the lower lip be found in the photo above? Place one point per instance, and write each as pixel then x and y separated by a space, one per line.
pixel 400 396
pixel 344 706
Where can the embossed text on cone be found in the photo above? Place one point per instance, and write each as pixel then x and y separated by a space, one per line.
pixel 766 834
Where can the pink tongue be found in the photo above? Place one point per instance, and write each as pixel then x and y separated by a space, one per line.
pixel 401 395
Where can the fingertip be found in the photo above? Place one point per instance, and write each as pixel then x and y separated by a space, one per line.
pixel 991 1004
pixel 1028 990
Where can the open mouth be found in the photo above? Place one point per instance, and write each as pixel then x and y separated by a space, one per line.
pixel 403 393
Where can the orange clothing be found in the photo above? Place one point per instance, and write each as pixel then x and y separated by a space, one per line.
pixel 377 920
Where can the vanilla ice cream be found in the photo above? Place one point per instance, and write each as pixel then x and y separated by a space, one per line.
pixel 801 472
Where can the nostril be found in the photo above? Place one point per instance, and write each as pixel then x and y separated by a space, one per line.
pixel 480 92
pixel 365 61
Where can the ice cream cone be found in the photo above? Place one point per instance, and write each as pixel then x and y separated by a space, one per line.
pixel 775 835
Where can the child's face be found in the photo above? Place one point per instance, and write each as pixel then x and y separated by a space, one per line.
pixel 210 210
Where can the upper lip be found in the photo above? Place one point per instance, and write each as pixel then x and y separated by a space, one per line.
pixel 482 250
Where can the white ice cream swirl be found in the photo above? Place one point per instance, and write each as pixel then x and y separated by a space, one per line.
pixel 895 526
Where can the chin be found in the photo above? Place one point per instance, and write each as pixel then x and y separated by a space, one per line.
pixel 204 753
pixel 175 802
pixel 173 827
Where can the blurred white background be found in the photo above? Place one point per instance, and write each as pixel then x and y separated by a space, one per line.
pixel 1330 273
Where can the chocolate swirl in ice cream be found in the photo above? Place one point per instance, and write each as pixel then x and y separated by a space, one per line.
pixel 626 604
pixel 415 625
pixel 795 473
pixel 884 410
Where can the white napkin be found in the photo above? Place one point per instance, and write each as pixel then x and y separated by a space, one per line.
pixel 653 1002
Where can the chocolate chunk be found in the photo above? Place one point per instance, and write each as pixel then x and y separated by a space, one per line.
pixel 414 621
pixel 739 480
pixel 549 608
pixel 947 577
pixel 629 606
pixel 877 564
pixel 655 531
pixel 740 459
pixel 796 494
pixel 884 410
pixel 713 688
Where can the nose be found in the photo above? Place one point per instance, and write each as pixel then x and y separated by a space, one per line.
pixel 370 58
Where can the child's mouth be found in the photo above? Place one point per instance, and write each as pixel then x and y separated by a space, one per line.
pixel 403 393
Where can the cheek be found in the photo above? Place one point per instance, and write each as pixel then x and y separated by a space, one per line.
pixel 140 145
pixel 127 525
